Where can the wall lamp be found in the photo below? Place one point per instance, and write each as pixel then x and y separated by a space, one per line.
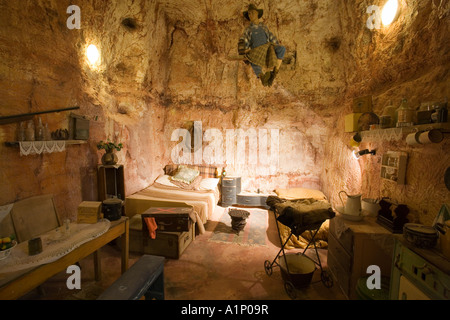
pixel 389 12
pixel 358 154
pixel 93 55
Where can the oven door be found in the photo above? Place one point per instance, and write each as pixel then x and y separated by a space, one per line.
pixel 408 291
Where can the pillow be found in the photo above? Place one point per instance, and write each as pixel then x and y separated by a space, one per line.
pixel 209 183
pixel 185 175
pixel 164 179
pixel 194 185
pixel 300 193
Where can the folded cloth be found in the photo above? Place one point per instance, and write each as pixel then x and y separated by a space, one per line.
pixel 151 226
pixel 301 214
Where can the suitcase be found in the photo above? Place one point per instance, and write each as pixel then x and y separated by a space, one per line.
pixel 171 219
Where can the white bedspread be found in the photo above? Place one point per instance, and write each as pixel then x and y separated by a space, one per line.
pixel 203 201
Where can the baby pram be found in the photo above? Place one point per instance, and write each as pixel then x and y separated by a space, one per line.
pixel 297 269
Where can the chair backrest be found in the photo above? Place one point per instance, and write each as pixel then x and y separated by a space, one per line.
pixel 6 224
pixel 34 216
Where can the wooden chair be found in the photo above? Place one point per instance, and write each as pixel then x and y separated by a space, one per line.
pixel 31 217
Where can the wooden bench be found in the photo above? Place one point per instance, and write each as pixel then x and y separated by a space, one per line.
pixel 144 278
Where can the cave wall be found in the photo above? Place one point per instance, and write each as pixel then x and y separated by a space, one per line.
pixel 204 85
pixel 39 71
pixel 43 67
pixel 408 59
pixel 165 64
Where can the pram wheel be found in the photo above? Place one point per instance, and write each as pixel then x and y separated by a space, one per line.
pixel 326 279
pixel 268 267
pixel 290 290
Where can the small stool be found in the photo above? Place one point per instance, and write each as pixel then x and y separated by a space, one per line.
pixel 144 278
pixel 238 219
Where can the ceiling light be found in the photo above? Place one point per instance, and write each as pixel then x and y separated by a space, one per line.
pixel 93 54
pixel 358 154
pixel 389 12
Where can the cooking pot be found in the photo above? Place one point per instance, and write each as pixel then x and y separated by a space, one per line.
pixel 420 235
pixel 112 209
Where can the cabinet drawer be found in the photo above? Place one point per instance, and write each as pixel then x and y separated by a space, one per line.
pixel 345 237
pixel 228 200
pixel 341 276
pixel 248 200
pixel 336 249
pixel 228 191
pixel 228 182
pixel 263 200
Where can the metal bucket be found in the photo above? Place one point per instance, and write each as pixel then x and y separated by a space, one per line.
pixel 364 293
pixel 300 269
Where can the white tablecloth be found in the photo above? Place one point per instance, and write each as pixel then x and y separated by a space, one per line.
pixel 55 244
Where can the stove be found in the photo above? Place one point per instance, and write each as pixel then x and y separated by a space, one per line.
pixel 419 273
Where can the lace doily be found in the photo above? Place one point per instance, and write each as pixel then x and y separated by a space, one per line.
pixel 55 244
pixel 390 134
pixel 38 147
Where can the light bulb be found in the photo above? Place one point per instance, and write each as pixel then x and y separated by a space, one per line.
pixel 389 12
pixel 93 54
pixel 358 154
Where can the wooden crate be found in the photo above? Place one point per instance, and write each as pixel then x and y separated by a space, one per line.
pixel 89 212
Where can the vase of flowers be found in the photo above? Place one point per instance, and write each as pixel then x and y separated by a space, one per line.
pixel 109 157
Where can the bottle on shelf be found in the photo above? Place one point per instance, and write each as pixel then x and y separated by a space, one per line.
pixel 47 134
pixel 442 112
pixel 29 132
pixel 39 130
pixel 389 117
pixel 21 132
pixel 404 114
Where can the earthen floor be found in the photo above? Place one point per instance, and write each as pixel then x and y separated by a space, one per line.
pixel 205 271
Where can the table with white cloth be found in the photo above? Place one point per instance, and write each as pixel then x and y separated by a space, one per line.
pixel 21 272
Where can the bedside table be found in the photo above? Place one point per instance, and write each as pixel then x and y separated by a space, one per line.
pixel 231 186
pixel 232 194
pixel 251 199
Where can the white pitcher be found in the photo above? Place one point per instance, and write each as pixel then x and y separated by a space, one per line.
pixel 353 205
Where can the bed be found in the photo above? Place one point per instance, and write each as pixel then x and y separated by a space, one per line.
pixel 202 193
pixel 302 199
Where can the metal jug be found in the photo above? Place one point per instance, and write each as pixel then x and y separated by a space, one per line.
pixel 353 205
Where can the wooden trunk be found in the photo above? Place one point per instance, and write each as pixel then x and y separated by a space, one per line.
pixel 171 219
pixel 166 244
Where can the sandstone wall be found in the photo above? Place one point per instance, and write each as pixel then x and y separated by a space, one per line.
pixel 409 59
pixel 204 85
pixel 43 66
pixel 165 65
